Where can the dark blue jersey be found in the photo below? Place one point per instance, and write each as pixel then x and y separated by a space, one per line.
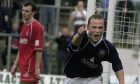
pixel 85 61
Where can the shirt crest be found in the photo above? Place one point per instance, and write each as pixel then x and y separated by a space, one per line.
pixel 101 53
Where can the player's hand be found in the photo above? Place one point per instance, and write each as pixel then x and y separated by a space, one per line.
pixel 13 69
pixel 37 73
pixel 82 30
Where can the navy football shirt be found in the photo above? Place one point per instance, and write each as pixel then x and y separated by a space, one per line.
pixel 85 61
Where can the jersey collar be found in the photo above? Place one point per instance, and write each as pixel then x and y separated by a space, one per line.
pixel 30 22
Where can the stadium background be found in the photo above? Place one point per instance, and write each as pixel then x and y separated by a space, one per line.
pixel 127 48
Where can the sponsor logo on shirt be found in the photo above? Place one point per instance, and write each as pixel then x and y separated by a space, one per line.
pixel 36 42
pixel 92 59
pixel 23 40
pixel 89 63
pixel 101 54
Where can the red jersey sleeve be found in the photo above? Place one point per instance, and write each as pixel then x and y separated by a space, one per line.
pixel 37 36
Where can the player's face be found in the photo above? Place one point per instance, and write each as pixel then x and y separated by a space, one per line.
pixel 27 12
pixel 96 29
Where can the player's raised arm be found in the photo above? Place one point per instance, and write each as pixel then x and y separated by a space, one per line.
pixel 78 36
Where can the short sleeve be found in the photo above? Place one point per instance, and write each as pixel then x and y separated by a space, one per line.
pixel 114 59
pixel 37 37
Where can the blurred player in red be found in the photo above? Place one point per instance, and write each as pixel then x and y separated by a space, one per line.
pixel 30 47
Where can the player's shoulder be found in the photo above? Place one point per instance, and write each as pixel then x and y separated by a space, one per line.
pixel 107 42
pixel 36 24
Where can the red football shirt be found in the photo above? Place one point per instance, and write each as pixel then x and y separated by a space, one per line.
pixel 31 40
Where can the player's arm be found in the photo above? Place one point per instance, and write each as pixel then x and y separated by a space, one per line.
pixel 14 67
pixel 120 76
pixel 116 63
pixel 38 60
pixel 37 36
pixel 16 60
pixel 77 38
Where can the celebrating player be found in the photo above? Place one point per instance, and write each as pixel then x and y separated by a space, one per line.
pixel 87 50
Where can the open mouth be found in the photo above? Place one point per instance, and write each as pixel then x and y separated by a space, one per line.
pixel 96 35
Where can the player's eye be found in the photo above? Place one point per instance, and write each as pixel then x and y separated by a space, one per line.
pixel 100 27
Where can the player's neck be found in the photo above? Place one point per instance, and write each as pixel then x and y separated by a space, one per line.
pixel 29 20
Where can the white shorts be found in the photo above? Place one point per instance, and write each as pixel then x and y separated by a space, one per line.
pixel 91 80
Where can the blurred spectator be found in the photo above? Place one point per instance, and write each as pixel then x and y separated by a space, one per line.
pixel 62 40
pixel 7 10
pixel 104 5
pixel 47 16
pixel 72 2
pixel 45 55
pixel 78 16
pixel 14 43
pixel 104 13
pixel 45 61
pixel 15 38
pixel 125 17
